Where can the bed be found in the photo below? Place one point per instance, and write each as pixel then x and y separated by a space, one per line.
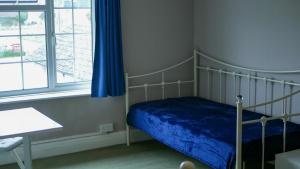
pixel 215 133
pixel 205 130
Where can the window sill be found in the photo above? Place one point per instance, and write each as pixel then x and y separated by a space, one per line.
pixel 44 96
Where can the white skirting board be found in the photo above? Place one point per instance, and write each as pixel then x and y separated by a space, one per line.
pixel 72 144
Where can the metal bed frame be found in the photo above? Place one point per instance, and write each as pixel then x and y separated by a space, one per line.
pixel 252 74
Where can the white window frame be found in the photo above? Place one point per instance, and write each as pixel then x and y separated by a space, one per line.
pixel 53 86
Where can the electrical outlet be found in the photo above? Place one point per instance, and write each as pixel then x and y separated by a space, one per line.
pixel 106 128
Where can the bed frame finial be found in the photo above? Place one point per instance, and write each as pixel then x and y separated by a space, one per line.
pixel 239 99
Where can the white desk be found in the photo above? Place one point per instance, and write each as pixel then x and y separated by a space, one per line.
pixel 25 122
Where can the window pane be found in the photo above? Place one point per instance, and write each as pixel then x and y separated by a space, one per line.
pixel 65 71
pixel 32 23
pixel 74 40
pixel 9 23
pixel 64 47
pixel 80 68
pixel 82 23
pixel 10 49
pixel 82 3
pixel 83 57
pixel 11 77
pixel 35 75
pixel 63 3
pixel 63 21
pixel 34 48
pixel 76 3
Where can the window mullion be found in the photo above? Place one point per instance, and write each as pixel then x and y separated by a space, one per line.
pixel 21 49
pixel 50 45
pixel 73 33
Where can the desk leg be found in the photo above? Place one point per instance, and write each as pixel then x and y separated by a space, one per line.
pixel 27 153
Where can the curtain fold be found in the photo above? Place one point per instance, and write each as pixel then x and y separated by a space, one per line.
pixel 108 69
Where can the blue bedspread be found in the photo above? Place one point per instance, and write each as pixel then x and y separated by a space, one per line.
pixel 206 130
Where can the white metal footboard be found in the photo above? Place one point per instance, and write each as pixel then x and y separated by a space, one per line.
pixel 252 76
pixel 263 120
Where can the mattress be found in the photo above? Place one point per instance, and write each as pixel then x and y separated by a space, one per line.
pixel 206 130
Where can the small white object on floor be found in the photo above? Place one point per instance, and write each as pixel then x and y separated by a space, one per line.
pixel 288 160
pixel 187 165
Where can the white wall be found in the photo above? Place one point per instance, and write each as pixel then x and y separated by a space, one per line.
pixel 157 33
pixel 252 33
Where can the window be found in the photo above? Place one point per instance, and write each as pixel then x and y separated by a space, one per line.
pixel 45 45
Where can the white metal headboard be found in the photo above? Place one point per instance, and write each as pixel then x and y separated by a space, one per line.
pixel 163 83
pixel 253 74
pixel 250 75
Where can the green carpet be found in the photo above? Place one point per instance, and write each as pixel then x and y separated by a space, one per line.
pixel 146 155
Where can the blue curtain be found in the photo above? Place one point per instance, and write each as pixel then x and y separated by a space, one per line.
pixel 108 72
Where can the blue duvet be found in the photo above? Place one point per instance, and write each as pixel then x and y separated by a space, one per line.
pixel 206 130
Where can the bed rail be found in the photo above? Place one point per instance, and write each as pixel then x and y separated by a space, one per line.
pixel 252 75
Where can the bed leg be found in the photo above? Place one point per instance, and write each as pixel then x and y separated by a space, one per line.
pixel 127 135
pixel 127 109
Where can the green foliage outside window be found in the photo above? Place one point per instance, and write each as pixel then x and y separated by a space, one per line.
pixel 13 21
pixel 10 53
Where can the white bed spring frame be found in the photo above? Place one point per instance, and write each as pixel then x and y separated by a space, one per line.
pixel 252 75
